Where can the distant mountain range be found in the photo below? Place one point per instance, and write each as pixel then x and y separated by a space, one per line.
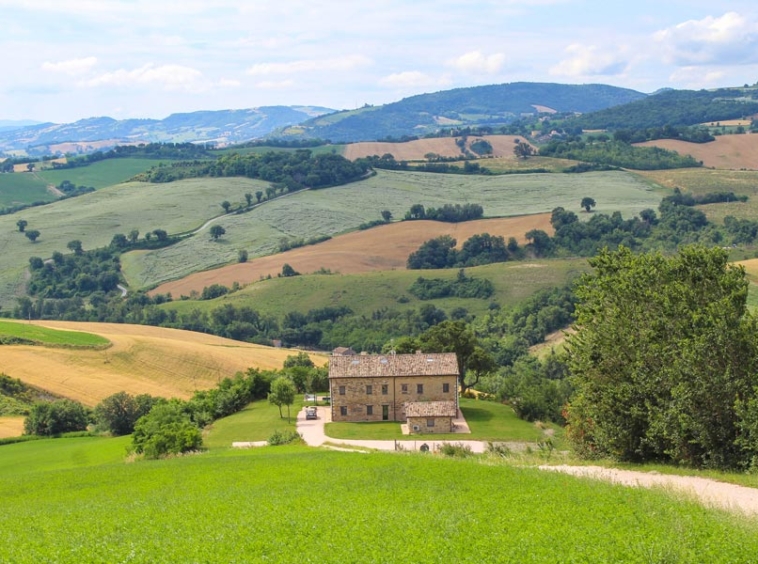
pixel 86 135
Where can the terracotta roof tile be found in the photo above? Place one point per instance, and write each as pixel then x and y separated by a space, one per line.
pixel 378 366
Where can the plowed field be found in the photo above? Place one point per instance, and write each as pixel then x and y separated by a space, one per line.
pixel 731 152
pixel 143 359
pixel 383 248
pixel 502 146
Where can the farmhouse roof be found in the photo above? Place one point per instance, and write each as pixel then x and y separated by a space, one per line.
pixel 343 351
pixel 378 366
pixel 431 409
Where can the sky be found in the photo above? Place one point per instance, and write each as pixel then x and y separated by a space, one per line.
pixel 65 60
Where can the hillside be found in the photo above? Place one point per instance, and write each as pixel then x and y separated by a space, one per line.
pixel 143 359
pixel 223 126
pixel 674 107
pixel 479 105
pixel 416 150
pixel 729 152
pixel 383 248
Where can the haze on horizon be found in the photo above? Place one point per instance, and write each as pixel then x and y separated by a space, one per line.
pixel 147 59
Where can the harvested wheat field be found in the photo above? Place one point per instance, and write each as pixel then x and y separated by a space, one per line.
pixel 383 248
pixel 502 146
pixel 731 152
pixel 143 359
pixel 11 426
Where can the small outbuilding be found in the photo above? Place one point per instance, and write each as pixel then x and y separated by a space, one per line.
pixel 430 416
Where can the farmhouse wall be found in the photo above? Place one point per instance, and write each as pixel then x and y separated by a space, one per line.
pixel 441 425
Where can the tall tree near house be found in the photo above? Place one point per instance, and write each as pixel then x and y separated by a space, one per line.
pixel 282 393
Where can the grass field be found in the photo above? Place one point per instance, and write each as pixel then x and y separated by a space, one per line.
pixel 488 421
pixel 94 219
pixel 100 174
pixel 257 422
pixel 343 208
pixel 22 188
pixel 700 181
pixel 71 500
pixel 153 360
pixel 733 152
pixel 368 292
pixel 379 249
pixel 47 336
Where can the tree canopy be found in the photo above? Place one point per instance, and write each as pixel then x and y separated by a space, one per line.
pixel 664 360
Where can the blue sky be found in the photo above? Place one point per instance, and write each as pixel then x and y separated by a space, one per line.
pixel 70 59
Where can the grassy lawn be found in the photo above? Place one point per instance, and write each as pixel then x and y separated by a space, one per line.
pixel 256 422
pixel 46 336
pixel 20 188
pixel 368 292
pixel 293 504
pixel 100 174
pixel 488 421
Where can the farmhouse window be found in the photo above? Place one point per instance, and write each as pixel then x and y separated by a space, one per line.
pixel 430 422
pixel 343 410
pixel 342 390
pixel 369 410
pixel 404 388
pixel 445 388
pixel 385 389
pixel 369 390
pixel 419 388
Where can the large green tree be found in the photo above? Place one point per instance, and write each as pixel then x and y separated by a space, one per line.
pixel 664 354
pixel 282 393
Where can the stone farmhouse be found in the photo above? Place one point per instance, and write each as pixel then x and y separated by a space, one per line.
pixel 396 387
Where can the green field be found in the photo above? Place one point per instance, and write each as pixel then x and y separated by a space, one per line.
pixel 294 504
pixel 94 219
pixel 257 422
pixel 100 174
pixel 488 421
pixel 369 292
pixel 343 208
pixel 46 336
pixel 21 188
pixel 506 165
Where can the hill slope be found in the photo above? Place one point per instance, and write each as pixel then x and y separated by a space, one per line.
pixel 479 105
pixel 227 126
pixel 730 152
pixel 143 359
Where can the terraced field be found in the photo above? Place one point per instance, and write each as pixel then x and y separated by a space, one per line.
pixel 143 359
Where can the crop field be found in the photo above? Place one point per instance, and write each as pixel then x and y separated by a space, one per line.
pixel 382 248
pixel 46 336
pixel 700 181
pixel 293 504
pixel 510 164
pixel 94 219
pixel 502 146
pixel 368 292
pixel 319 150
pixel 153 360
pixel 343 208
pixel 100 174
pixel 488 421
pixel 22 188
pixel 11 426
pixel 733 152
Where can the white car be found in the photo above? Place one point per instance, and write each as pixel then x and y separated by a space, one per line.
pixel 311 412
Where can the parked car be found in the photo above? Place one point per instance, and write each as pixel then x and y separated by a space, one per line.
pixel 311 412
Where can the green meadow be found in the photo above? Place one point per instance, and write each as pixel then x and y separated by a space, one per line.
pixel 100 174
pixel 76 500
pixel 368 292
pixel 21 188
pixel 47 336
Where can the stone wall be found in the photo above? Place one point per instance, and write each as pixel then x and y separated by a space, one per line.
pixel 441 425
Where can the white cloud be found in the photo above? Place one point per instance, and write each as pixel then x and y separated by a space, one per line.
pixel 229 83
pixel 275 85
pixel 730 39
pixel 589 60
pixel 171 77
pixel 72 67
pixel 696 76
pixel 349 62
pixel 413 79
pixel 477 63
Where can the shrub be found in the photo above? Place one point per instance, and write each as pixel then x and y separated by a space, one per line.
pixel 455 450
pixel 53 418
pixel 284 438
pixel 167 429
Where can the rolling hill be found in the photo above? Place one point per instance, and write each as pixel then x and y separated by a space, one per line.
pixel 143 359
pixel 224 126
pixel 416 150
pixel 728 152
pixel 479 105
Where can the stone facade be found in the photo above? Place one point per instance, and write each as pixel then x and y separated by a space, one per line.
pixel 429 425
pixel 376 387
pixel 430 417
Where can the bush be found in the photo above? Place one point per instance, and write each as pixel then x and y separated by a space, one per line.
pixel 118 413
pixel 284 438
pixel 167 429
pixel 455 450
pixel 53 418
